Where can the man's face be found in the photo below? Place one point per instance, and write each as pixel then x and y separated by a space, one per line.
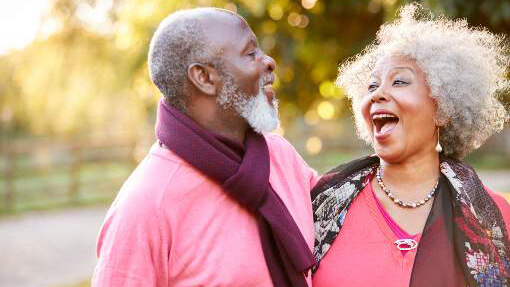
pixel 247 75
pixel 260 110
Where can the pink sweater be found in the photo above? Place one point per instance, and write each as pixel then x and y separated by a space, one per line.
pixel 364 254
pixel 172 226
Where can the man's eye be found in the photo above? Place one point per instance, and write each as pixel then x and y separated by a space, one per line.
pixel 372 87
pixel 252 54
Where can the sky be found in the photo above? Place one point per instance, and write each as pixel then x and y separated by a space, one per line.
pixel 19 22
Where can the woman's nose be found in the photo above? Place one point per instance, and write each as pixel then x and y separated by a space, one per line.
pixel 379 95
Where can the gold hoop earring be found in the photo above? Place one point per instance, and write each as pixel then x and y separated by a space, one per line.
pixel 439 148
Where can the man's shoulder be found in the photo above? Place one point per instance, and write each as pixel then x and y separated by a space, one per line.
pixel 273 137
pixel 278 143
pixel 284 155
pixel 160 175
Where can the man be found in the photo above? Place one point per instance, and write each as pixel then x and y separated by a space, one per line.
pixel 218 201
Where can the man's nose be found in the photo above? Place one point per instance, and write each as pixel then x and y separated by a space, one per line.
pixel 270 63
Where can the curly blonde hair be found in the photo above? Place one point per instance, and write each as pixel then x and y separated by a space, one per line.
pixel 465 68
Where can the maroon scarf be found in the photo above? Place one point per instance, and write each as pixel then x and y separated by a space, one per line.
pixel 245 178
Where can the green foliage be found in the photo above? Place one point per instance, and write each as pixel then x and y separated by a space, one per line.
pixel 91 77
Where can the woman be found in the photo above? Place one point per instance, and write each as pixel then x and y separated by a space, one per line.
pixel 424 96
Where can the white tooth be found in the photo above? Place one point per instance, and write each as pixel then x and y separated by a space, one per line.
pixel 381 116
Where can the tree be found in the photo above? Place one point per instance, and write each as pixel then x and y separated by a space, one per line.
pixel 90 75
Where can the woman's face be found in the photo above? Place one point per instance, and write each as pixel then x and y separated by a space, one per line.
pixel 398 111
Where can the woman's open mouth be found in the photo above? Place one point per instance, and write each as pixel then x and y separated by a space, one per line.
pixel 384 123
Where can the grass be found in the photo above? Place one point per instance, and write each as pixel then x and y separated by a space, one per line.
pixel 51 188
pixel 488 161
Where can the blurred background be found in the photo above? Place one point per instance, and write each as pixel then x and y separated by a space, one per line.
pixel 77 108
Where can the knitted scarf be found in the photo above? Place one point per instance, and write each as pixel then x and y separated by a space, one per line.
pixel 245 178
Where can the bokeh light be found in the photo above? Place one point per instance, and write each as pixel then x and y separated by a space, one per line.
pixel 275 12
pixel 280 130
pixel 298 20
pixel 313 145
pixel 328 89
pixel 326 110
pixel 308 4
pixel 311 117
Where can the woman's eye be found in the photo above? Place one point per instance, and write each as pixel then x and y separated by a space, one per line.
pixel 399 82
pixel 252 54
pixel 372 87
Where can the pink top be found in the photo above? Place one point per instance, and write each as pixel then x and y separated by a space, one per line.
pixel 397 230
pixel 172 226
pixel 364 253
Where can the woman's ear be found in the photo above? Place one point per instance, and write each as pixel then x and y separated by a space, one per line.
pixel 438 120
pixel 205 78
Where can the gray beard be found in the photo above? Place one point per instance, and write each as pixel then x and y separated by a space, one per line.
pixel 260 115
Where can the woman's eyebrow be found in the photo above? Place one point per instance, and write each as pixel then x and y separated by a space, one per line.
pixel 404 68
pixel 375 74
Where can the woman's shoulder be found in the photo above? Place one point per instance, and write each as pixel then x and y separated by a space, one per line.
pixel 500 200
pixel 502 204
pixel 342 172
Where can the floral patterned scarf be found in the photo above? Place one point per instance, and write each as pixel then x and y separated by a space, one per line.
pixel 471 249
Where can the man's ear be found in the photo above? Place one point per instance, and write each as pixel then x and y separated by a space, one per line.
pixel 205 78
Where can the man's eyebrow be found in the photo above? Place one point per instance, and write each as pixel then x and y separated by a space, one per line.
pixel 251 42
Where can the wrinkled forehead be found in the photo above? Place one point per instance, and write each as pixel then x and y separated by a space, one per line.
pixel 389 63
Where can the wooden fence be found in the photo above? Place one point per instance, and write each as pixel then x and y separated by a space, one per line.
pixel 41 174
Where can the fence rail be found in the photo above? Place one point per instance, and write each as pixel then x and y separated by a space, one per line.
pixel 38 174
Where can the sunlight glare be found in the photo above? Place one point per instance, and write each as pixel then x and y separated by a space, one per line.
pixel 20 22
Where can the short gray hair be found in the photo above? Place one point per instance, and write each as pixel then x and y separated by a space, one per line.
pixel 180 40
pixel 465 69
